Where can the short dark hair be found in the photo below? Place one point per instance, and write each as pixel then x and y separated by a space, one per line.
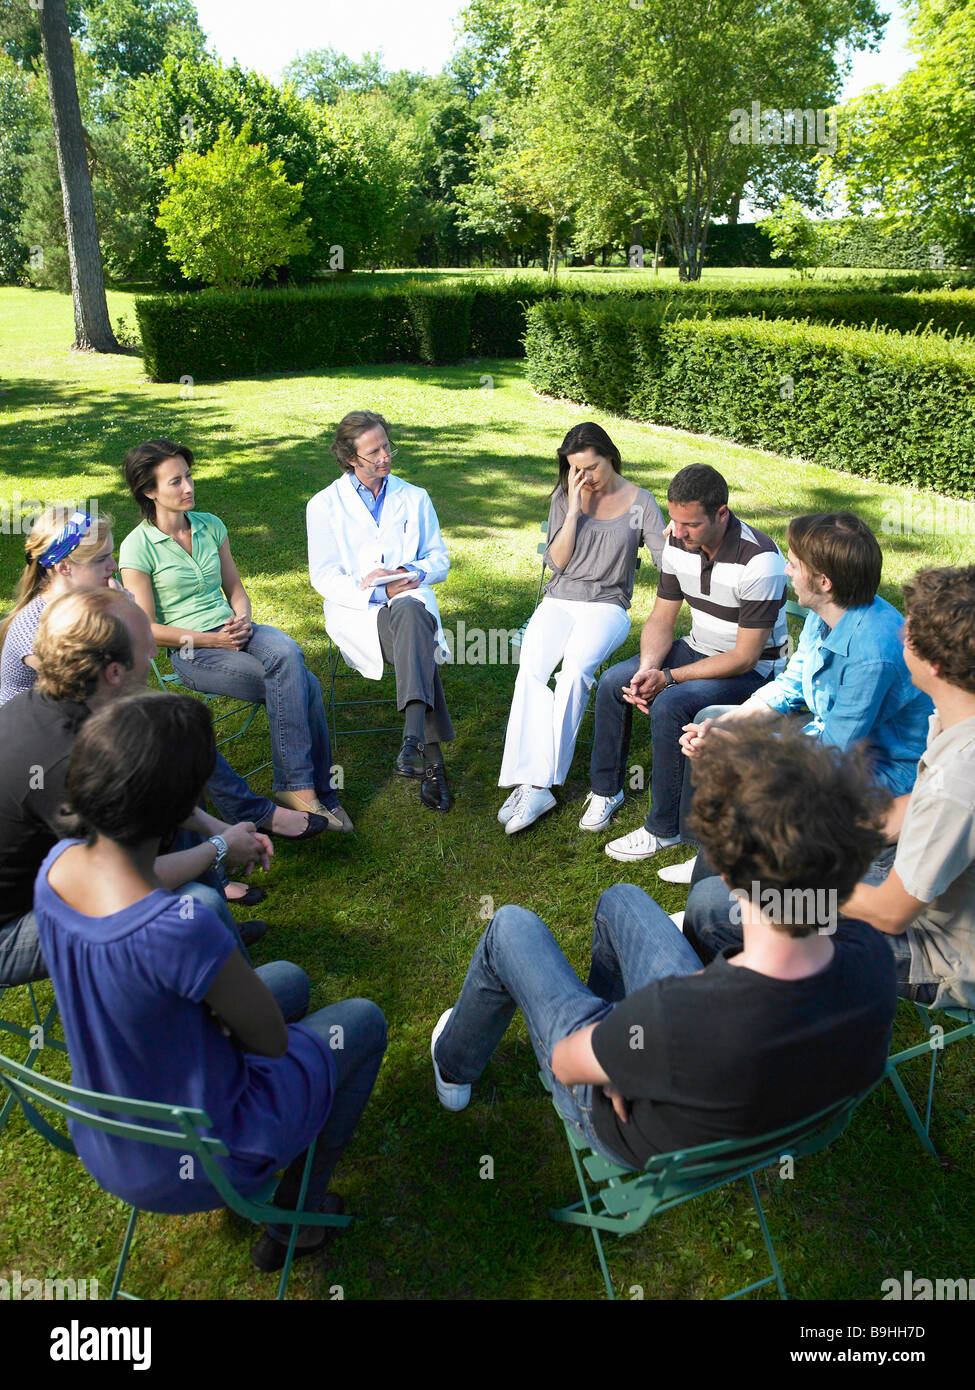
pixel 775 807
pixel 588 435
pixel 349 429
pixel 699 482
pixel 941 622
pixel 843 548
pixel 124 781
pixel 140 467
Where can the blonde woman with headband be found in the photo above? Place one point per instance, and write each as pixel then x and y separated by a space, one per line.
pixel 66 549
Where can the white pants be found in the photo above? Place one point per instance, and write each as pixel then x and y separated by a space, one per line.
pixel 544 723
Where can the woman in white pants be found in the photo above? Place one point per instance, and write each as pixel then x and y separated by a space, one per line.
pixel 596 524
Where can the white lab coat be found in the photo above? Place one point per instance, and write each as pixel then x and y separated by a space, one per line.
pixel 345 544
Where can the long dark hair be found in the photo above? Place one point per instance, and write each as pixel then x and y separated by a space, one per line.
pixel 585 436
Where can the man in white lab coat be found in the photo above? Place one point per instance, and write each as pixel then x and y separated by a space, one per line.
pixel 374 553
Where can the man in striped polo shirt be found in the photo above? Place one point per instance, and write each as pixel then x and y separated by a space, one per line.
pixel 733 578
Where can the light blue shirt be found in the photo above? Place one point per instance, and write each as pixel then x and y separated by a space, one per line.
pixel 853 681
pixel 374 506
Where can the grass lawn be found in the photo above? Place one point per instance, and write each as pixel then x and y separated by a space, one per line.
pixel 394 913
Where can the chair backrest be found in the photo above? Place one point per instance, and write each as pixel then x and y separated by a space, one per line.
pixel 668 1177
pixel 796 610
pixel 168 1126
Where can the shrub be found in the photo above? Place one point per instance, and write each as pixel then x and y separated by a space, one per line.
pixel 893 406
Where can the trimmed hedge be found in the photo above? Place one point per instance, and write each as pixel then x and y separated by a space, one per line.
pixel 897 407
pixel 210 335
pixel 865 242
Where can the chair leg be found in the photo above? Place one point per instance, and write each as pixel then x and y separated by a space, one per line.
pixel 909 1108
pixel 126 1244
pixel 597 1240
pixel 293 1238
pixel 776 1271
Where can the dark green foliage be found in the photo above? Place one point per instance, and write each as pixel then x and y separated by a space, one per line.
pixel 360 321
pixel 896 407
pixel 441 318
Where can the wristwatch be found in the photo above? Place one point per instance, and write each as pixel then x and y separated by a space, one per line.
pixel 668 679
pixel 220 845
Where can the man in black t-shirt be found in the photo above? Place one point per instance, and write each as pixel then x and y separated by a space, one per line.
pixel 655 1053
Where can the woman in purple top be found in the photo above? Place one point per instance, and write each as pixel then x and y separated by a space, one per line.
pixel 159 1003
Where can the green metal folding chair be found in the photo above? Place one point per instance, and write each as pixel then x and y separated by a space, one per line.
pixel 937 1040
pixel 333 705
pixel 624 1201
pixel 245 710
pixel 169 1126
pixel 36 1034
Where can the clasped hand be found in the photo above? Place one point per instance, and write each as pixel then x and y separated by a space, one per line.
pixel 239 631
pixel 247 848
pixel 647 683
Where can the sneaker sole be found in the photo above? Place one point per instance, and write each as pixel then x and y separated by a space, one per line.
pixel 509 829
pixel 434 1039
pixel 601 825
pixel 626 857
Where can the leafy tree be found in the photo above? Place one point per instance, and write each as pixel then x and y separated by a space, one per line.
pixel 129 38
pixel 18 115
pixel 230 214
pixel 910 149
pixel 322 75
pixel 793 235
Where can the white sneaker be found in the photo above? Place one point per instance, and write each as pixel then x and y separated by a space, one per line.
pixel 678 920
pixel 451 1096
pixel 535 802
pixel 678 873
pixel 599 810
pixel 639 844
pixel 511 805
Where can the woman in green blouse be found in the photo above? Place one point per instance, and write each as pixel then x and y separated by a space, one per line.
pixel 177 563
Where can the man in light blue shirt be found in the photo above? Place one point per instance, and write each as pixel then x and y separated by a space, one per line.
pixel 847 679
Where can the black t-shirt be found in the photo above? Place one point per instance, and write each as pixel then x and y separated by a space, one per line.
pixel 37 734
pixel 729 1053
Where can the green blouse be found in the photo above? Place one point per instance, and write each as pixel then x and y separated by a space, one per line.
pixel 186 588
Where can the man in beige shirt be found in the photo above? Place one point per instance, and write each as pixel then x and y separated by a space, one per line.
pixel 926 905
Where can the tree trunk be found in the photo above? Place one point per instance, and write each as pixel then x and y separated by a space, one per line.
pixel 553 254
pixel 93 328
pixel 733 207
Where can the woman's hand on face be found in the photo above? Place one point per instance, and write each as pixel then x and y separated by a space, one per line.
pixel 576 485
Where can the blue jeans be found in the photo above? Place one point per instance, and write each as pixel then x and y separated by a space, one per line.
pixel 709 927
pixel 669 712
pixel 357 1062
pixel 233 798
pixel 272 671
pixel 517 964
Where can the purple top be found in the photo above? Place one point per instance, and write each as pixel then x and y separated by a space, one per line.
pixel 130 988
pixel 18 643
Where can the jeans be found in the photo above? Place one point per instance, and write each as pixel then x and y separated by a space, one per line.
pixel 233 798
pixel 357 1064
pixel 709 928
pixel 517 964
pixel 272 671
pixel 669 712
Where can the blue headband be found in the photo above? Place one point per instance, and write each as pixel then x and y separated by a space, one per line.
pixel 68 538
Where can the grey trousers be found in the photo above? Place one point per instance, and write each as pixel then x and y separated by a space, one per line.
pixel 407 638
pixel 20 952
